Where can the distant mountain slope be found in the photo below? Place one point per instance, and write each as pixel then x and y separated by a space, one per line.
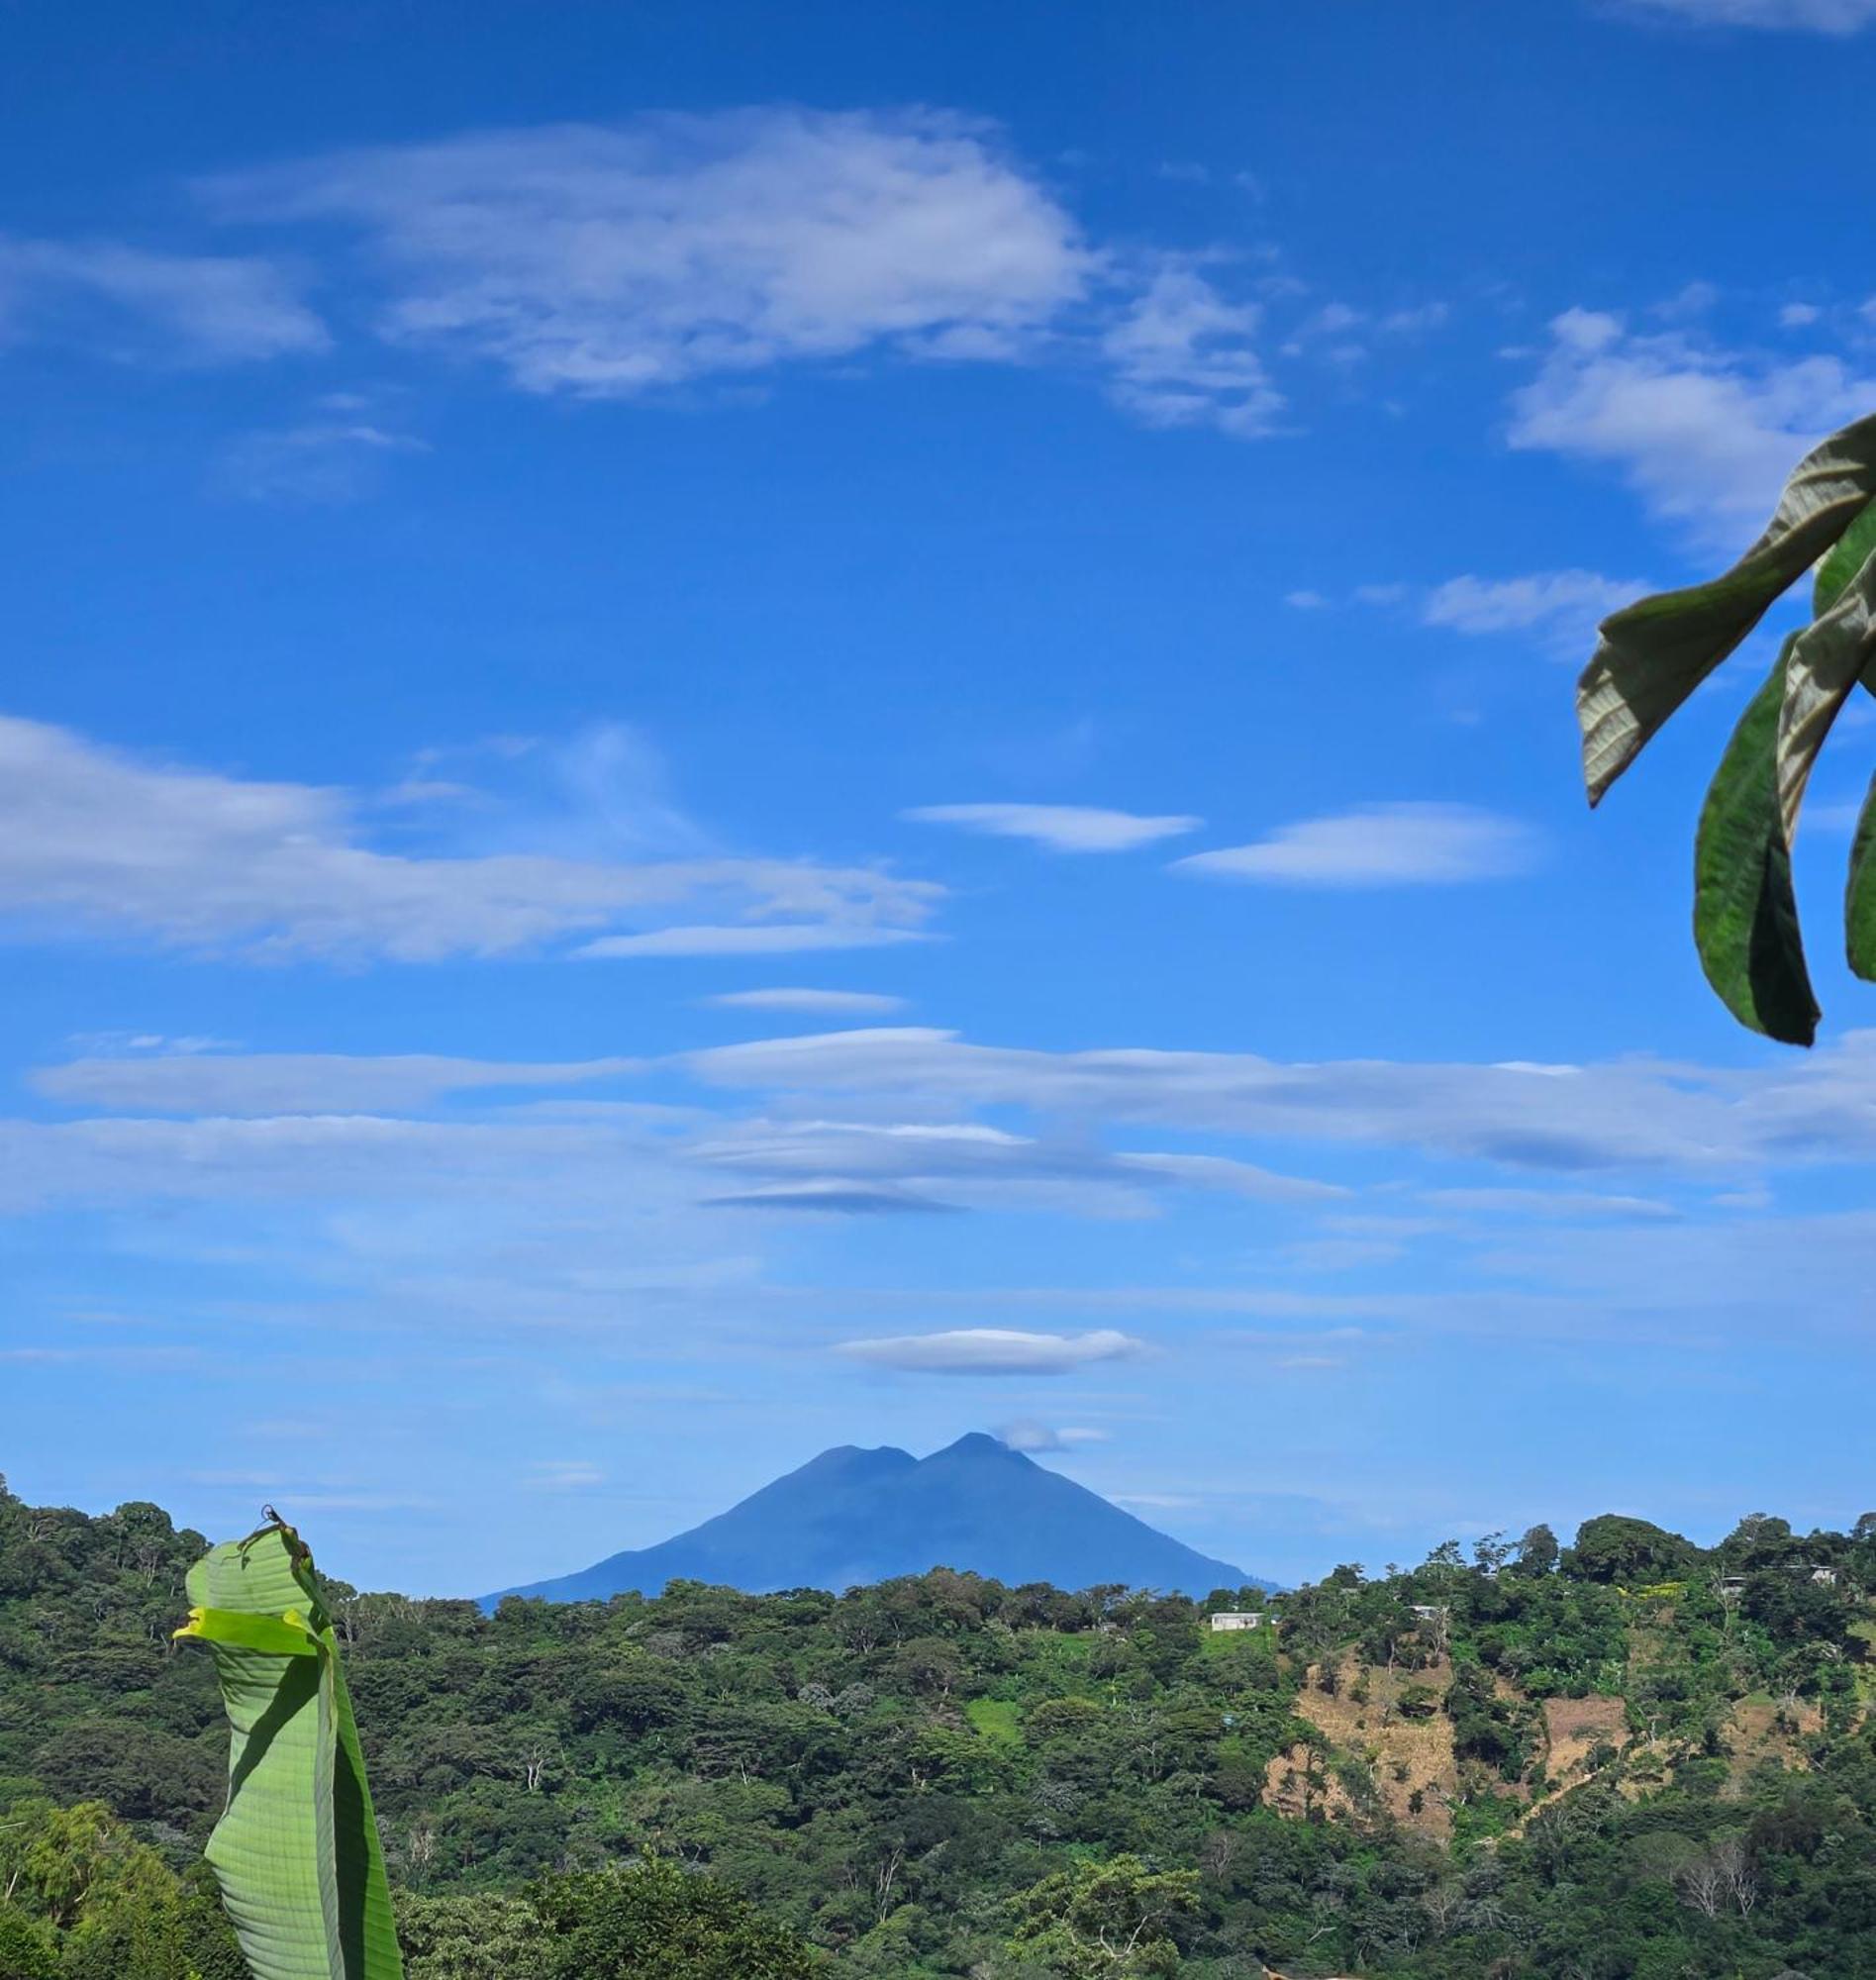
pixel 852 1516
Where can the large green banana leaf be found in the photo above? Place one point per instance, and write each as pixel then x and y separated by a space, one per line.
pixel 1654 654
pixel 1822 664
pixel 1746 914
pixel 296 1852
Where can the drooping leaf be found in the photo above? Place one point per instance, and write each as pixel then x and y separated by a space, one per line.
pixel 282 1637
pixel 1843 560
pixel 1745 917
pixel 1652 654
pixel 1821 665
pixel 1846 557
pixel 1859 893
pixel 296 1850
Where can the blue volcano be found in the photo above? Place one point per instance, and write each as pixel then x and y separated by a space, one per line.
pixel 852 1516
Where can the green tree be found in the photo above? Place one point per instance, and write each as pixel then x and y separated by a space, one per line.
pixel 26 1948
pixel 1537 1551
pixel 1616 1547
pixel 656 1921
pixel 1118 1919
pixel 473 1936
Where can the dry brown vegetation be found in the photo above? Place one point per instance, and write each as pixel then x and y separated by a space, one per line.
pixel 1407 1760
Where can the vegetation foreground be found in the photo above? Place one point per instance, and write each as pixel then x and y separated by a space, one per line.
pixel 1627 1757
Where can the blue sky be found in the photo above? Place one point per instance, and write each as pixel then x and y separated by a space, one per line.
pixel 732 729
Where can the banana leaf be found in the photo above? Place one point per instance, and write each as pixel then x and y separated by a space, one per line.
pixel 296 1850
pixel 1746 914
pixel 1654 654
pixel 1822 666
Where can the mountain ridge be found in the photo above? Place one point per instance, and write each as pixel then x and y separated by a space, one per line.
pixel 853 1514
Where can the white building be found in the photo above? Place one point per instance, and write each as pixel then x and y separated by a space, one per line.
pixel 1237 1618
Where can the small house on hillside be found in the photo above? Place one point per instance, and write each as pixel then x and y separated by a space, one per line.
pixel 1432 1611
pixel 1732 1586
pixel 1237 1618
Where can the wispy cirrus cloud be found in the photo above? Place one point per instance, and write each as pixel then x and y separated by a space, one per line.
pixel 1704 435
pixel 1563 607
pixel 562 1475
pixel 321 460
pixel 1562 1206
pixel 137 301
pixel 261 1083
pixel 1819 17
pixel 95 841
pixel 753 938
pixel 993 1350
pixel 1378 846
pixel 1061 827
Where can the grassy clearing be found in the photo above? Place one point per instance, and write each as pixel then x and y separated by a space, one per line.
pixel 997 1720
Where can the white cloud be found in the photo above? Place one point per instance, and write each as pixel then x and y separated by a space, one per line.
pixel 988 1168
pixel 760 938
pixel 262 1083
pixel 306 1155
pixel 92 839
pixel 1233 1178
pixel 1635 1113
pixel 856 1003
pixel 1705 435
pixel 1063 828
pixel 1183 354
pixel 1822 16
pixel 325 460
pixel 832 1197
pixel 562 1475
pixel 612 1217
pixel 1378 846
pixel 1567 1206
pixel 1800 315
pixel 1565 606
pixel 241 1106
pixel 609 260
pixel 1026 1434
pixel 198 308
pixel 1420 317
pixel 993 1350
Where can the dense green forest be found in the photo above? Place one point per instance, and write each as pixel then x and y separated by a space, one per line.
pixel 1622 1757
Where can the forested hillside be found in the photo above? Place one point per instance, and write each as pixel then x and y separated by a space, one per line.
pixel 1626 1756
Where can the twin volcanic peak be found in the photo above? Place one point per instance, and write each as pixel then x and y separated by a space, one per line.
pixel 852 1516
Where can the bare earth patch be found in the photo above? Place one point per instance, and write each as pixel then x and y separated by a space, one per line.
pixel 1373 1731
pixel 1574 1728
pixel 1758 1731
